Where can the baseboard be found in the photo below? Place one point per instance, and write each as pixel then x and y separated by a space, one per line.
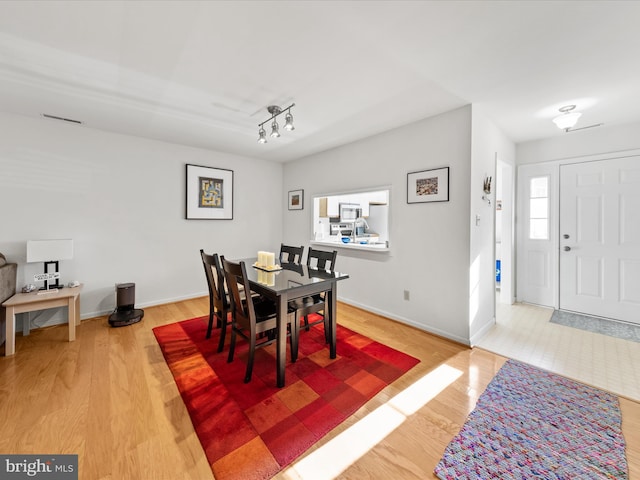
pixel 406 321
pixel 475 339
pixel 57 318
pixel 154 303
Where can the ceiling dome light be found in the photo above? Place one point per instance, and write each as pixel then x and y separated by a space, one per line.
pixel 289 122
pixel 263 135
pixel 568 118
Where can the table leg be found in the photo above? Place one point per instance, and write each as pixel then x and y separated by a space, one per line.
pixel 10 332
pixel 72 319
pixel 333 318
pixel 77 301
pixel 281 335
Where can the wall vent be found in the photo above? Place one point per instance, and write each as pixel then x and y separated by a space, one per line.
pixel 54 117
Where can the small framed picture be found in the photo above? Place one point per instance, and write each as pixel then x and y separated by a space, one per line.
pixel 209 193
pixel 428 186
pixel 296 199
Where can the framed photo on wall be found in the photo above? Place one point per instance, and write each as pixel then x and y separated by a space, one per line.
pixel 428 186
pixel 296 199
pixel 209 193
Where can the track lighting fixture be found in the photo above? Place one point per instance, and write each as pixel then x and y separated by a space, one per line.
pixel 274 110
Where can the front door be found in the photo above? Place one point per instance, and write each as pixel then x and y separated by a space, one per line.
pixel 600 238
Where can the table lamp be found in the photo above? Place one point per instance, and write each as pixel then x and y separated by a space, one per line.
pixel 50 252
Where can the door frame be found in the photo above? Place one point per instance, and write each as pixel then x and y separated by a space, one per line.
pixel 505 189
pixel 551 168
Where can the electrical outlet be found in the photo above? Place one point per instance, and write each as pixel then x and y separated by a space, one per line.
pixel 407 295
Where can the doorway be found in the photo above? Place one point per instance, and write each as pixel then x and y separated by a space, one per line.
pixel 504 232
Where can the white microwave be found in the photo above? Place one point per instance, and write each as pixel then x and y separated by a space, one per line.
pixel 349 212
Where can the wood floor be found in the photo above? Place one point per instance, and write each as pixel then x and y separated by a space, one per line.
pixel 110 398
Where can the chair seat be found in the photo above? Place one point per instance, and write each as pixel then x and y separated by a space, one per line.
pixel 264 310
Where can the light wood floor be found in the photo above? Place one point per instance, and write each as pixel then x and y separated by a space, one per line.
pixel 110 398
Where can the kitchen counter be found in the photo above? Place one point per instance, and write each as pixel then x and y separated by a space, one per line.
pixel 337 243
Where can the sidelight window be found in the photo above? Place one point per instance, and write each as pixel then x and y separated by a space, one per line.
pixel 539 208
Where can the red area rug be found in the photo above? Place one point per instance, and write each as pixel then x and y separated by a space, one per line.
pixel 252 431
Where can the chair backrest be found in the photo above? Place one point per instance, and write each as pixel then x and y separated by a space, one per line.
pixel 289 254
pixel 324 260
pixel 8 280
pixel 215 279
pixel 243 311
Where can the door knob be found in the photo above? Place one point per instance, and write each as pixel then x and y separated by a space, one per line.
pixel 567 249
pixel 565 236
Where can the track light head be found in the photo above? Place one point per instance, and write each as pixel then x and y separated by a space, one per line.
pixel 262 135
pixel 274 129
pixel 289 122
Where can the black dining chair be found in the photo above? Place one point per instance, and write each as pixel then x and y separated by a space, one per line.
pixel 290 254
pixel 219 306
pixel 251 316
pixel 319 260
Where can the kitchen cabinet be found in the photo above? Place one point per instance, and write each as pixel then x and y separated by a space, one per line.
pixel 323 208
pixel 332 205
pixel 373 198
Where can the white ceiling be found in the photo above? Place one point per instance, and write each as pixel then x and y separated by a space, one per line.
pixel 203 73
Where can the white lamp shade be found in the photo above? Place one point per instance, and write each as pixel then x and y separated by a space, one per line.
pixel 49 250
pixel 567 120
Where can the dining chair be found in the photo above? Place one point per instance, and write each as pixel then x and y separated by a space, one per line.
pixel 219 306
pixel 322 261
pixel 289 254
pixel 252 316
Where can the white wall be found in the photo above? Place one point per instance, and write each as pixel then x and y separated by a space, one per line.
pixel 429 241
pixel 488 144
pixel 594 141
pixel 122 200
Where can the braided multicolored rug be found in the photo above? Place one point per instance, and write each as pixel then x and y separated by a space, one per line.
pixel 530 423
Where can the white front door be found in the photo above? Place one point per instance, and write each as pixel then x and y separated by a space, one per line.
pixel 600 238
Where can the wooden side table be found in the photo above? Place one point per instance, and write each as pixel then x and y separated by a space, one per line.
pixel 31 302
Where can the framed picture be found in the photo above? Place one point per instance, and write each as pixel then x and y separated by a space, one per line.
pixel 296 199
pixel 209 193
pixel 428 186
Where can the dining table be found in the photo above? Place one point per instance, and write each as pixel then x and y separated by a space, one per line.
pixel 289 281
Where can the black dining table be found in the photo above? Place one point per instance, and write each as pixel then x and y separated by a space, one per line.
pixel 290 282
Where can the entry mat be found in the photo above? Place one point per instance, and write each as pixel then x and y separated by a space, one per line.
pixel 613 328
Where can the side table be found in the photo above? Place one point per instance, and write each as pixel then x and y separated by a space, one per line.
pixel 33 301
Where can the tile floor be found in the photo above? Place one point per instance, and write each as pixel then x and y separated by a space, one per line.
pixel 524 332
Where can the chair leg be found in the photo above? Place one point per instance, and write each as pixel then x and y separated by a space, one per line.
pixel 306 323
pixel 223 331
pixel 232 345
pixel 210 327
pixel 252 353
